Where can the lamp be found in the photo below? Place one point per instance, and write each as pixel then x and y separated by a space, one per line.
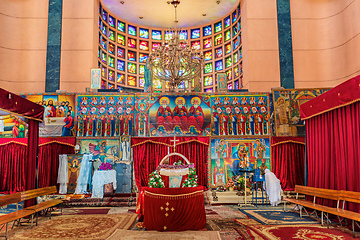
pixel 174 62
pixel 77 148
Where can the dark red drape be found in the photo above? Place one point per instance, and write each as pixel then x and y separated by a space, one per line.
pixel 288 159
pixel 333 151
pixel 148 152
pixel 49 151
pixel 33 143
pixel 13 155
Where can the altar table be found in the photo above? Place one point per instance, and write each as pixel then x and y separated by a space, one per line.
pixel 172 209
pixel 100 178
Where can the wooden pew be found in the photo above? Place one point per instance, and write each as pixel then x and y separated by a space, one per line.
pixel 29 211
pixel 337 195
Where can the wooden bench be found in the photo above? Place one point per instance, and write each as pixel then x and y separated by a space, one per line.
pixel 340 196
pixel 29 211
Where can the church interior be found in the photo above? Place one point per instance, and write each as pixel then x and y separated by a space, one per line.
pixel 221 119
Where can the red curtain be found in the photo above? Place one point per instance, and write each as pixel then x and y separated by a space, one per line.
pixel 333 153
pixel 148 152
pixel 13 156
pixel 33 138
pixel 49 151
pixel 288 159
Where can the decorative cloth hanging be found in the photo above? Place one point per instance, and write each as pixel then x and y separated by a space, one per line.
pixel 63 178
pixel 84 175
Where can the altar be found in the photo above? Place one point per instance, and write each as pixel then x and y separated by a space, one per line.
pixel 100 178
pixel 172 209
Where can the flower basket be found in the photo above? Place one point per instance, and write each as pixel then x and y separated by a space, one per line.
pixel 175 175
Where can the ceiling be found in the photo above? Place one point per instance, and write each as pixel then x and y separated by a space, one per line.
pixel 159 13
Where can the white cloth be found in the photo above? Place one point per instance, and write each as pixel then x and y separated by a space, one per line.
pixel 63 178
pixel 2 124
pixel 101 178
pixel 125 148
pixel 273 188
pixel 84 174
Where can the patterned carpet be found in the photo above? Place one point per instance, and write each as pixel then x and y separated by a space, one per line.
pixel 154 235
pixel 302 231
pixel 277 217
pixel 96 226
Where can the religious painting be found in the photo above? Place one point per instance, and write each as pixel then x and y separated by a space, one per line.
pixel 240 115
pixel 142 118
pixel 125 150
pixel 95 78
pixel 221 82
pixel 232 156
pixel 105 115
pixel 174 115
pixel 74 163
pixel 103 150
pixel 12 126
pixel 59 115
pixel 287 110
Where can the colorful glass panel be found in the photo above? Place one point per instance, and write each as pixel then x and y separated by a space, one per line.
pixel 208 80
pixel 218 39
pixel 141 69
pixel 131 30
pixel 120 78
pixel 132 68
pixel 131 43
pixel 121 39
pixel 195 45
pixel 227 22
pixel 144 45
pixel 120 26
pixel 111 21
pixel 208 68
pixel 131 56
pixel 111 62
pixel 228 62
pixel 207 43
pixel 111 48
pixel 195 33
pixel 207 31
pixel 121 52
pixel 218 27
pixel 156 35
pixel 132 81
pixel 219 52
pixel 111 75
pixel 120 65
pixel 111 35
pixel 208 55
pixel 227 35
pixel 144 33
pixel 143 57
pixel 228 48
pixel 219 65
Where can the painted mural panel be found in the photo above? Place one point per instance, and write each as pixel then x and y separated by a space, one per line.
pixel 240 115
pixel 142 115
pixel 105 115
pixel 12 126
pixel 103 150
pixel 59 115
pixel 74 163
pixel 229 157
pixel 287 110
pixel 171 115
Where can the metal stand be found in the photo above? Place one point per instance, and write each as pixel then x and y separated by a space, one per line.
pixel 245 196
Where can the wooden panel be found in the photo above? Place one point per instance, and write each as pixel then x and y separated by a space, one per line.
pixel 45 205
pixel 350 196
pixel 9 199
pixel 318 192
pixel 30 194
pixel 15 215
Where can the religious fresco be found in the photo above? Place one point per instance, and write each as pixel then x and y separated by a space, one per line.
pixel 59 115
pixel 287 110
pixel 103 150
pixel 240 114
pixel 172 115
pixel 105 115
pixel 13 126
pixel 74 163
pixel 232 155
pixel 142 115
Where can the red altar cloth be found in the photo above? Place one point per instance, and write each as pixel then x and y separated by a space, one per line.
pixel 172 209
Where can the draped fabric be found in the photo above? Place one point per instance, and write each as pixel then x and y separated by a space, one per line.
pixel 333 152
pixel 148 152
pixel 13 157
pixel 16 104
pixel 288 161
pixel 173 209
pixel 31 163
pixel 84 175
pixel 63 176
pixel 49 151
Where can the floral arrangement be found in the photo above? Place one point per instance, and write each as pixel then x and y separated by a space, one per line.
pixel 105 166
pixel 230 183
pixel 155 180
pixel 191 180
pixel 221 189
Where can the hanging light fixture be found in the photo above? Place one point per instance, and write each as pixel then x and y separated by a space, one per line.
pixel 174 62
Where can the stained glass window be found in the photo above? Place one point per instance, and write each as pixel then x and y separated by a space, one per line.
pixel 121 39
pixel 218 27
pixel 195 33
pixel 120 26
pixel 120 78
pixel 131 30
pixel 144 45
pixel 219 65
pixel 218 39
pixel 208 55
pixel 208 68
pixel 156 35
pixel 111 21
pixel 132 81
pixel 207 30
pixel 132 67
pixel 120 65
pixel 144 33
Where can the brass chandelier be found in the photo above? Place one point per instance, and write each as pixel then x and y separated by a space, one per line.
pixel 174 62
